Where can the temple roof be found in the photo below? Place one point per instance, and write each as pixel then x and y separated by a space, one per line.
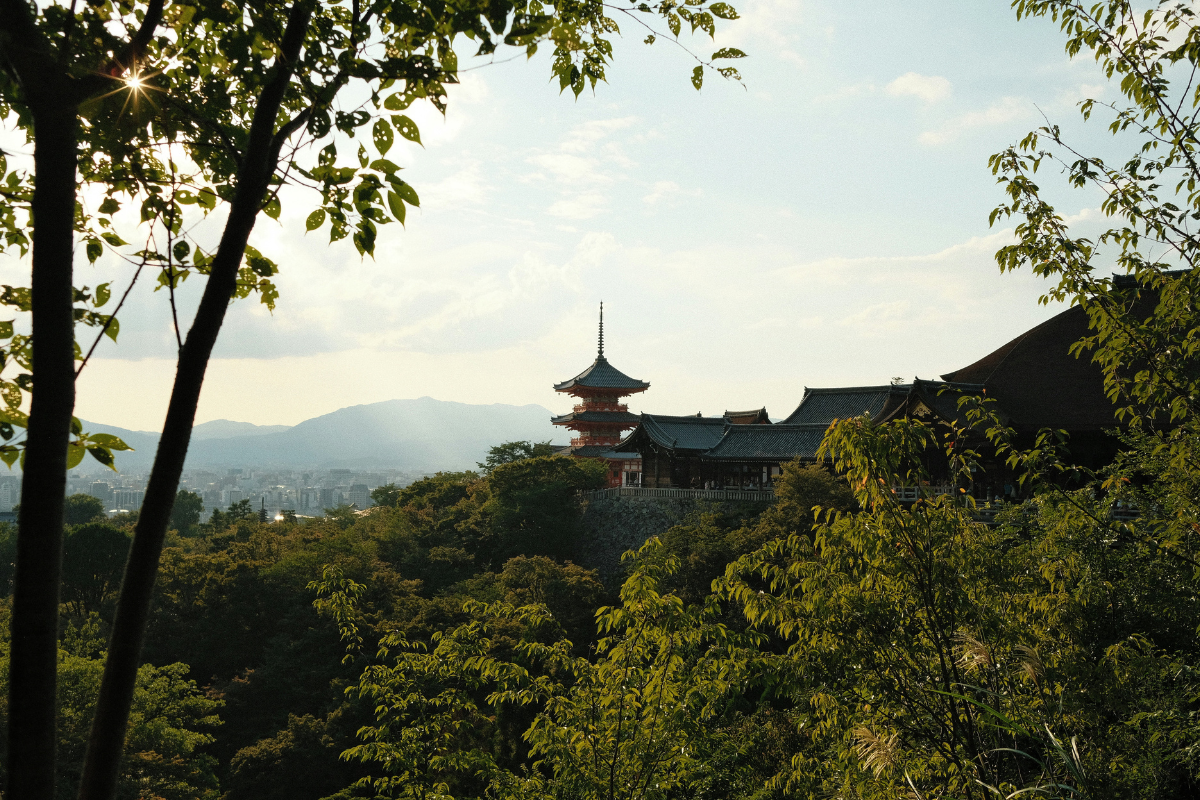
pixel 823 406
pixel 677 433
pixel 774 443
pixel 1038 383
pixel 602 375
pixel 613 417
pixel 937 397
pixel 757 416
pixel 596 451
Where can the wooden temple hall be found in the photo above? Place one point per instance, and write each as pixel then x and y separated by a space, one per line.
pixel 1034 380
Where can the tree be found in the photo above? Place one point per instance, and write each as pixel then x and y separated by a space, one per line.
pixel 530 501
pixel 203 103
pixel 93 560
pixel 80 509
pixel 185 514
pixel 622 724
pixel 386 496
pixel 514 451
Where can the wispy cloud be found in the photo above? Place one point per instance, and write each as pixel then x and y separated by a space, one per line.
pixel 929 88
pixel 1007 109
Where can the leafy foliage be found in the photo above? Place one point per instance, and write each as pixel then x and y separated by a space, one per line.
pixel 514 451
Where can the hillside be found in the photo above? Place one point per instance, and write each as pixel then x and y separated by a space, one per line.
pixel 423 434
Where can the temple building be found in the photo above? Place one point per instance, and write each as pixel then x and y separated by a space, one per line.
pixel 600 418
pixel 1034 382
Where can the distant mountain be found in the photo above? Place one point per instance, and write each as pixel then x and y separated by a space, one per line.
pixel 228 429
pixel 423 434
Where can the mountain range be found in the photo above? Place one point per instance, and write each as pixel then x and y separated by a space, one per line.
pixel 421 435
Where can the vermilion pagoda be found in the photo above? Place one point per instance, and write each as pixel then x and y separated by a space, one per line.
pixel 600 418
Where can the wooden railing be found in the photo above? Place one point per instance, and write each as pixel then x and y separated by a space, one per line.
pixel 751 495
pixel 600 407
pixel 909 494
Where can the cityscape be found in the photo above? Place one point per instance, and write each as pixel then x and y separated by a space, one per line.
pixel 307 494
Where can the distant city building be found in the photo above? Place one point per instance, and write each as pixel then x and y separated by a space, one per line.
pixel 359 495
pixel 102 491
pixel 10 495
pixel 127 499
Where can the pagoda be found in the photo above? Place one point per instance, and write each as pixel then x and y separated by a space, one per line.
pixel 600 418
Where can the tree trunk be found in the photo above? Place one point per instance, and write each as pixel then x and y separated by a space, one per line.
pixel 107 739
pixel 34 660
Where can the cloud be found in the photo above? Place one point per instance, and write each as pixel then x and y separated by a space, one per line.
pixel 929 88
pixel 1007 109
pixel 583 167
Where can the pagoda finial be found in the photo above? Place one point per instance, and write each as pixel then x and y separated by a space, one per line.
pixel 601 353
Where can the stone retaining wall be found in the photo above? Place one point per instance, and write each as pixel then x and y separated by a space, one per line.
pixel 611 526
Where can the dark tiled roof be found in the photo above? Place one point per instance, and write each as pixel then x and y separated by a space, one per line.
pixel 1037 383
pixel 823 406
pixel 602 375
pixel 677 433
pixel 940 397
pixel 780 442
pixel 597 451
pixel 616 417
pixel 758 416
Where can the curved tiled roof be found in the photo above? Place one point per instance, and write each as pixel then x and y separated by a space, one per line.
pixel 780 442
pixel 616 417
pixel 823 406
pixel 1038 383
pixel 756 416
pixel 678 433
pixel 602 375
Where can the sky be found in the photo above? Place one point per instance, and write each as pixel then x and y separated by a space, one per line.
pixel 822 223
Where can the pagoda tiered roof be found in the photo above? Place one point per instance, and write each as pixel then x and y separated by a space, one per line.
pixel 623 418
pixel 602 375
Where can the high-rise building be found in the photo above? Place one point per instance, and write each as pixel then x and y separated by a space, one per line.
pixel 102 491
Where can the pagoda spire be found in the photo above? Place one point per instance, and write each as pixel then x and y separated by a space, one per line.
pixel 601 352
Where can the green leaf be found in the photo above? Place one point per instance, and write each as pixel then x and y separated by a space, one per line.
pixel 94 250
pixel 109 206
pixel 207 198
pixel 400 100
pixel 315 220
pixel 9 455
pixel 407 128
pixel 723 11
pixel 384 166
pixel 397 206
pixel 103 456
pixel 272 207
pixel 114 327
pixel 75 454
pixel 102 295
pixel 728 52
pixel 698 77
pixel 113 239
pixel 108 441
pixel 381 134
pixel 407 193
